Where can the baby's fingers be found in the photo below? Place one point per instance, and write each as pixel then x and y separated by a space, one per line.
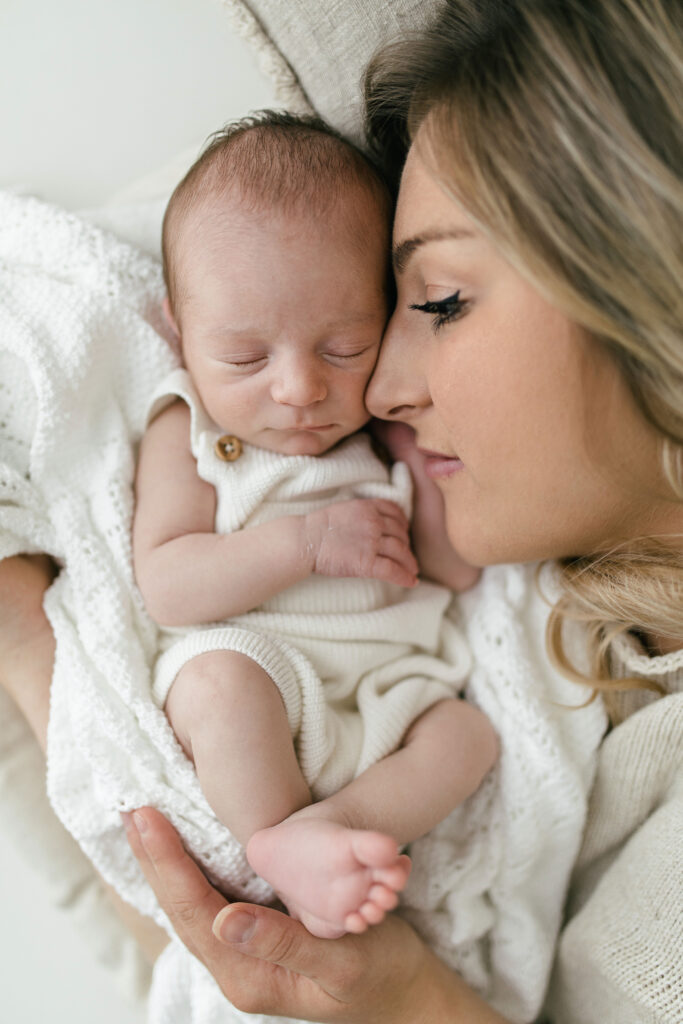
pixel 393 528
pixel 388 571
pixel 395 563
pixel 398 550
pixel 391 512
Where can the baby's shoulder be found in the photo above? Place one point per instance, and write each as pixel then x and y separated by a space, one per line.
pixel 170 427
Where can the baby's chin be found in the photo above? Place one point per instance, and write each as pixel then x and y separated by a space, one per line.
pixel 304 443
pixel 299 442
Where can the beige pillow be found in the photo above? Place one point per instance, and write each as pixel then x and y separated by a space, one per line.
pixel 316 51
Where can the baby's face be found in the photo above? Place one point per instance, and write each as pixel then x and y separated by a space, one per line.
pixel 281 319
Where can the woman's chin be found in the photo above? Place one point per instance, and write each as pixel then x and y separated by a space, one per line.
pixel 480 548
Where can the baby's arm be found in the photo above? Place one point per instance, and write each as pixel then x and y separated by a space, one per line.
pixel 437 558
pixel 189 574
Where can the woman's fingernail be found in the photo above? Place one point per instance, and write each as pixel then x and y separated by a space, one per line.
pixel 139 821
pixel 234 926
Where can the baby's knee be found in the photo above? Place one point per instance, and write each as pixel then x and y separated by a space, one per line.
pixel 211 686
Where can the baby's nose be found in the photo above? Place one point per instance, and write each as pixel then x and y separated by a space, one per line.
pixel 299 385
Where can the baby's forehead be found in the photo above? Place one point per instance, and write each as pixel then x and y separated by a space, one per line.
pixel 267 169
pixel 255 262
pixel 235 204
pixel 229 218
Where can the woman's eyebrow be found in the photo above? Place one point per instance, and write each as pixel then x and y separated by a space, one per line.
pixel 402 251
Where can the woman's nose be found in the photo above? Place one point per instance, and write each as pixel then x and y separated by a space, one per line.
pixel 397 388
pixel 299 383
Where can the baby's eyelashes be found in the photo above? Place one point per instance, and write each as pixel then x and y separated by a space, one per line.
pixel 348 355
pixel 242 361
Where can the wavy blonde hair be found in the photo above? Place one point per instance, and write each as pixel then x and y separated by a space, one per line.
pixel 557 125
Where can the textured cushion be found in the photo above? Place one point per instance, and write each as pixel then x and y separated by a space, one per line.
pixel 316 51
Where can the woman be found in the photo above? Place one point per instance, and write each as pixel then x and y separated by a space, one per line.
pixel 535 349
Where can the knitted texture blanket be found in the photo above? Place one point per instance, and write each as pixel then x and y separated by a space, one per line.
pixel 82 348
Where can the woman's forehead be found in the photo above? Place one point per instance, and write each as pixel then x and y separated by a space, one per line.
pixel 425 205
pixel 427 213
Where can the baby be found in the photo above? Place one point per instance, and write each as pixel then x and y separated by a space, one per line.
pixel 263 511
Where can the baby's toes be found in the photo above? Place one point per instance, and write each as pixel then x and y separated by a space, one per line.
pixel 374 849
pixel 355 923
pixel 396 876
pixel 383 896
pixel 371 913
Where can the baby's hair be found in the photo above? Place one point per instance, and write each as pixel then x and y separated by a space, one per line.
pixel 289 163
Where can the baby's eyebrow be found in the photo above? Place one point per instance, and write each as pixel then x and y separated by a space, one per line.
pixel 259 332
pixel 218 332
pixel 228 329
pixel 352 318
pixel 402 251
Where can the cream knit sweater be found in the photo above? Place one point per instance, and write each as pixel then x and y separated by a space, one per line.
pixel 620 956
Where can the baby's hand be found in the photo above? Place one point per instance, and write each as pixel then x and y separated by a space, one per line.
pixel 368 537
pixel 439 561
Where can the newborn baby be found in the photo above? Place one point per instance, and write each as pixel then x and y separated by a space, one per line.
pixel 273 544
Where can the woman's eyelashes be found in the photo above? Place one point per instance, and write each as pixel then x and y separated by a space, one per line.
pixel 444 311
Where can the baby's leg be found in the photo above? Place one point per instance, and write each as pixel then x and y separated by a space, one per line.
pixel 443 758
pixel 445 755
pixel 230 719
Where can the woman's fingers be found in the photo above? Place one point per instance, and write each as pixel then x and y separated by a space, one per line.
pixel 265 962
pixel 316 979
pixel 194 906
pixel 248 960
pixel 270 936
pixel 182 889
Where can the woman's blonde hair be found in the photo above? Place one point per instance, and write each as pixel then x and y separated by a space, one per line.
pixel 557 125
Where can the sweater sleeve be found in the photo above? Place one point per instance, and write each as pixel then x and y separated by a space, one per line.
pixel 620 957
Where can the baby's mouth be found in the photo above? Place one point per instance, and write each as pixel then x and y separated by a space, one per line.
pixel 311 426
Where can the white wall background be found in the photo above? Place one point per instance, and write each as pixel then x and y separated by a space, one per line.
pixel 95 94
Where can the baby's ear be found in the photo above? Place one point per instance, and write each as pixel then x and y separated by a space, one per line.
pixel 170 319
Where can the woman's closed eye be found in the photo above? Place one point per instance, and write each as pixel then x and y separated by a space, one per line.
pixel 444 311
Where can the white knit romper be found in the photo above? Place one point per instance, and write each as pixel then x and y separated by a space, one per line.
pixel 356 660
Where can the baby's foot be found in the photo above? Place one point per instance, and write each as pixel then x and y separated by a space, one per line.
pixel 332 878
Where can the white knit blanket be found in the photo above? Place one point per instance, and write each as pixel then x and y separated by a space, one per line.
pixel 81 350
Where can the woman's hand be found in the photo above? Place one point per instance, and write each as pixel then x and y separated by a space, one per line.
pixel 265 962
pixel 26 641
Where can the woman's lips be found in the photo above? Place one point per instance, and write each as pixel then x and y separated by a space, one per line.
pixel 439 465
